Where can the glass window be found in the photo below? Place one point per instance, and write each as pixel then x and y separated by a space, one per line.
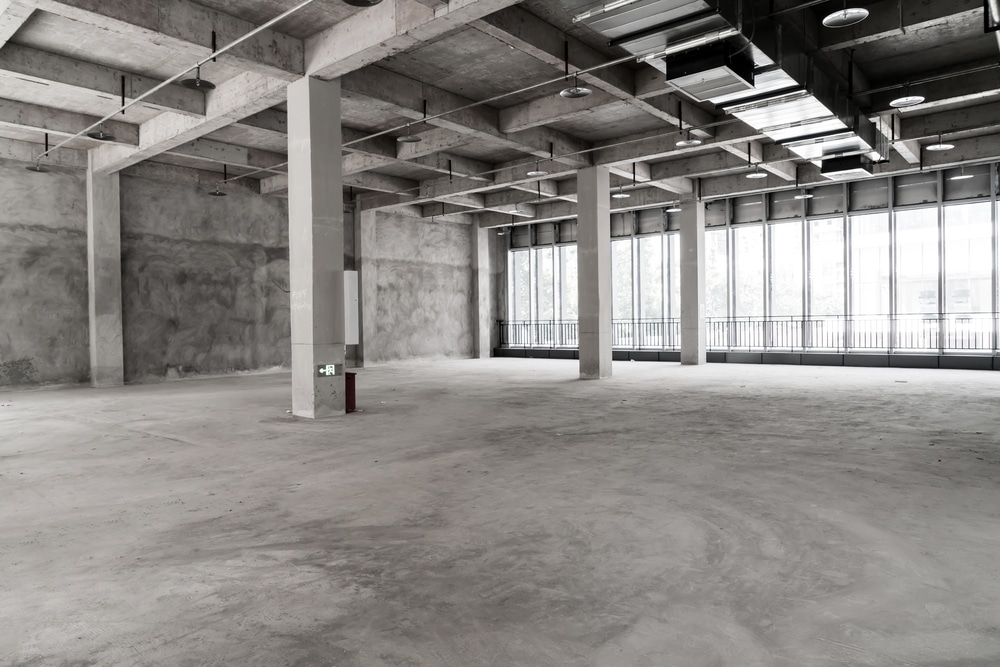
pixel 569 299
pixel 826 267
pixel 967 182
pixel 520 276
pixel 748 259
pixel 545 283
pixel 674 268
pixel 869 194
pixel 716 274
pixel 826 200
pixel 918 188
pixel 621 277
pixel 917 262
pixel 651 277
pixel 748 209
pixel 786 269
pixel 968 244
pixel 784 205
pixel 870 270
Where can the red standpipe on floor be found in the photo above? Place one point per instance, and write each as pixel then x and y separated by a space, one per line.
pixel 349 385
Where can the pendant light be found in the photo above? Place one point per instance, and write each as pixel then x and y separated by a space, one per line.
pixel 674 208
pixel 536 172
pixel 756 174
pixel 576 91
pixel 846 17
pixel 198 83
pixel 620 194
pixel 688 141
pixel 100 134
pixel 362 3
pixel 940 145
pixel 409 138
pixel 218 186
pixel 906 100
pixel 37 167
pixel 962 176
pixel 804 195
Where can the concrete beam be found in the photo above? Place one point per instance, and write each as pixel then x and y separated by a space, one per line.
pixel 640 199
pixel 13 15
pixel 27 152
pixel 527 33
pixel 553 109
pixel 181 26
pixel 386 29
pixel 953 88
pixel 278 184
pixel 980 118
pixel 68 76
pixel 890 17
pixel 241 96
pixel 24 116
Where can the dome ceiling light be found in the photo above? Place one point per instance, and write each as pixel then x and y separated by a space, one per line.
pixel 362 3
pixel 100 134
pixel 846 17
pixel 198 83
pixel 576 91
pixel 804 195
pixel 962 176
pixel 409 138
pixel 537 172
pixel 939 146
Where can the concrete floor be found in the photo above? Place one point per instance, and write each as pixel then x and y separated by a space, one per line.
pixel 502 512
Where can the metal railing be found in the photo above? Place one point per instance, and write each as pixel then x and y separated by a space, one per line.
pixel 929 333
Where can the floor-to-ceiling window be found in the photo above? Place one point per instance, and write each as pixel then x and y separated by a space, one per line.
pixel 900 264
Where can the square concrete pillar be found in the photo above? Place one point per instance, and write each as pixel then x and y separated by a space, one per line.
pixel 316 248
pixel 593 243
pixel 482 292
pixel 692 255
pixel 364 261
pixel 104 277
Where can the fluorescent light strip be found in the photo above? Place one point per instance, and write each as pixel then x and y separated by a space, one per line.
pixel 607 7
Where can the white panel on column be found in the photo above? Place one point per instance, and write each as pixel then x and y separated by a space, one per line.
pixel 692 253
pixel 104 273
pixel 594 271
pixel 316 248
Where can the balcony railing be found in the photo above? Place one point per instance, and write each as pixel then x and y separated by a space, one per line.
pixel 962 332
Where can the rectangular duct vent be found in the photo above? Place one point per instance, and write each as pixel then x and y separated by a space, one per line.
pixel 846 168
pixel 710 72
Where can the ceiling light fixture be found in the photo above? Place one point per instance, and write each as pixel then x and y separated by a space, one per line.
pixel 939 146
pixel 198 83
pixel 218 186
pixel 603 9
pixel 962 176
pixel 37 167
pixel 688 141
pixel 620 194
pixel 362 3
pixel 846 17
pixel 756 174
pixel 409 138
pixel 100 134
pixel 537 172
pixel 674 208
pixel 804 195
pixel 906 101
pixel 576 91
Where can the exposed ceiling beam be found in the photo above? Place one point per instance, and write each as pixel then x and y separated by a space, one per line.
pixel 892 17
pixel 26 151
pixel 23 116
pixel 951 86
pixel 13 14
pixel 982 118
pixel 639 199
pixel 184 27
pixel 278 184
pixel 71 78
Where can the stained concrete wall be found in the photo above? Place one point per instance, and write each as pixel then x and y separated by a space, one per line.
pixel 204 280
pixel 424 298
pixel 43 276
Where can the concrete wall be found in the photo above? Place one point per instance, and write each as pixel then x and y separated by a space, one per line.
pixel 424 298
pixel 43 276
pixel 203 280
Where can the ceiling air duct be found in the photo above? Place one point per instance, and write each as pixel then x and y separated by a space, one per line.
pixel 846 168
pixel 709 72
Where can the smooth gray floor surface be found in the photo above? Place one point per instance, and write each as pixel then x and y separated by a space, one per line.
pixel 503 512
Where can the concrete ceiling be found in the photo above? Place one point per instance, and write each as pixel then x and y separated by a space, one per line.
pixel 62 62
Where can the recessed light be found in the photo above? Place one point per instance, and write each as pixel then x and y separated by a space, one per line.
pixel 906 101
pixel 846 17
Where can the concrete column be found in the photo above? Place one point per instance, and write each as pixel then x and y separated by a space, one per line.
pixel 316 247
pixel 104 275
pixel 364 260
pixel 482 293
pixel 692 254
pixel 593 243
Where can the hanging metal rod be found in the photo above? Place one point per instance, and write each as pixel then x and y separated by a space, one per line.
pixel 177 76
